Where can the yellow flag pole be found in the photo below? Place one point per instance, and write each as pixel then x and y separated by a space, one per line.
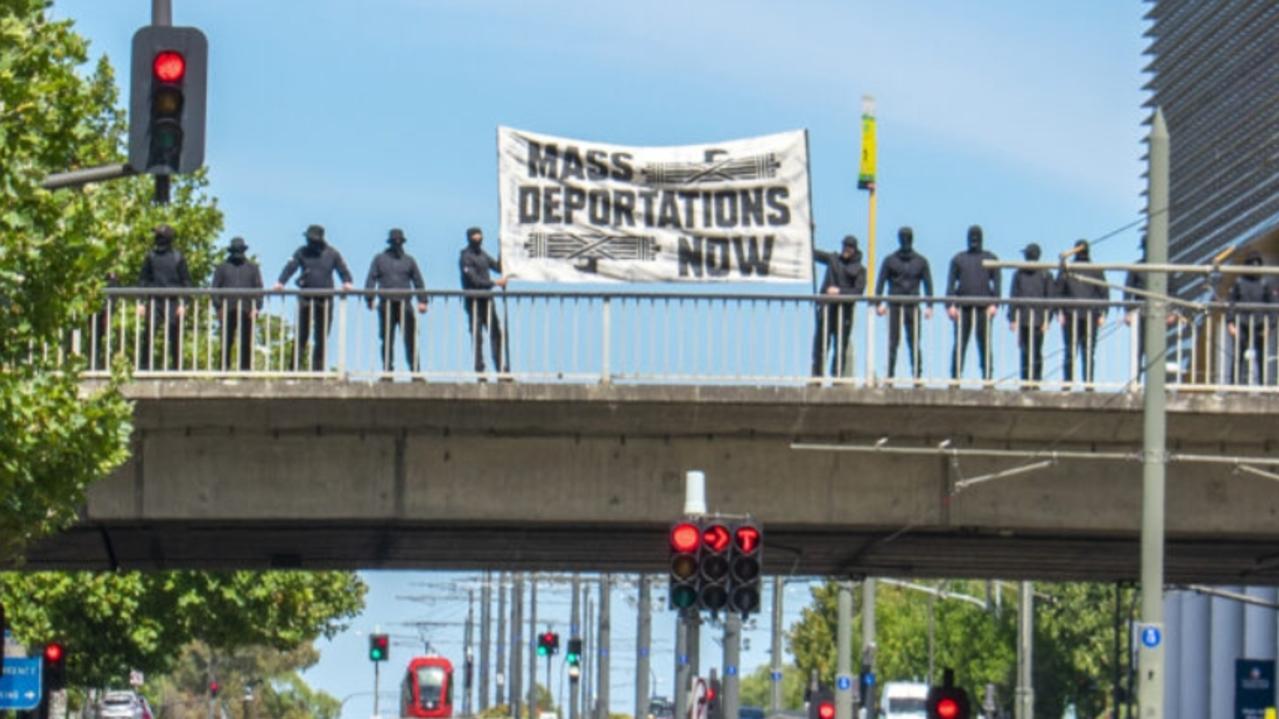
pixel 866 181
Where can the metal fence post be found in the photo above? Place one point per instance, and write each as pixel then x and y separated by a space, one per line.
pixel 342 302
pixel 605 337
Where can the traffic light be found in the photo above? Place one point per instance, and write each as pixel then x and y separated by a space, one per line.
pixel 714 702
pixel 685 545
pixel 713 567
pixel 948 701
pixel 167 100
pixel 214 688
pixel 548 643
pixel 55 666
pixel 574 655
pixel 745 562
pixel 821 705
pixel 379 647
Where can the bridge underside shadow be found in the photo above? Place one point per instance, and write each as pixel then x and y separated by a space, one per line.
pixel 343 475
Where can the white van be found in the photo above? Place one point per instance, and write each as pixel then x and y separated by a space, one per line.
pixel 904 700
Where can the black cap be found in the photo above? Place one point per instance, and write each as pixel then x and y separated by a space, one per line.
pixel 1253 258
pixel 1031 251
pixel 473 231
pixel 396 235
pixel 905 233
pixel 164 232
pixel 315 232
pixel 850 241
pixel 237 245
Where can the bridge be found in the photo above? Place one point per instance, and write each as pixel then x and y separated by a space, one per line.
pixel 271 468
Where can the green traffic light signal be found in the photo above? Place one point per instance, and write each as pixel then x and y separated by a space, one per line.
pixel 683 597
pixel 379 647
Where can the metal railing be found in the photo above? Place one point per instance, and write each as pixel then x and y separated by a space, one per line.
pixel 665 338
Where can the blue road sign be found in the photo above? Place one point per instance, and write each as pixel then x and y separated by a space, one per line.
pixel 730 670
pixel 843 682
pixel 1151 636
pixel 20 686
pixel 775 676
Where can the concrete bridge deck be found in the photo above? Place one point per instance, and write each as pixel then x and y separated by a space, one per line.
pixel 321 474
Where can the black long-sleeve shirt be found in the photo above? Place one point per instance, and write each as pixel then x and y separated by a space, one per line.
pixel 391 270
pixel 848 275
pixel 318 266
pixel 1248 290
pixel 1071 287
pixel 242 275
pixel 969 279
pixel 165 268
pixel 475 264
pixel 903 273
pixel 1031 285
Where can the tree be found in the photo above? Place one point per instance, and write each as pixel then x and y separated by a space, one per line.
pixel 57 251
pixel 136 620
pixel 757 688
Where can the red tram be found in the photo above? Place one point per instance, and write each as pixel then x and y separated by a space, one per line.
pixel 427 690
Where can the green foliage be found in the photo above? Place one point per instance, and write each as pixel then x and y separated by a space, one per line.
pixel 272 676
pixel 112 623
pixel 1073 640
pixel 757 687
pixel 57 250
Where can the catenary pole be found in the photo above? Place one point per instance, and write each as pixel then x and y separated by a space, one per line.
pixel 575 632
pixel 486 599
pixel 775 649
pixel 601 674
pixel 643 642
pixel 517 645
pixel 844 651
pixel 1025 651
pixel 1154 438
pixel 868 646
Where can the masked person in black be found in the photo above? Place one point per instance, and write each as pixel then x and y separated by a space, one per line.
pixel 164 267
pixel 902 273
pixel 1249 327
pixel 395 269
pixel 1029 319
pixel 969 279
pixel 846 277
pixel 237 311
pixel 476 264
pixel 1081 323
pixel 317 262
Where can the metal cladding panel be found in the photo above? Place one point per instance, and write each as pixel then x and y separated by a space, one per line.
pixel 1215 77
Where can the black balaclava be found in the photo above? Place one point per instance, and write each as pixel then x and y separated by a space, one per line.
pixel 471 238
pixel 396 241
pixel 315 237
pixel 163 238
pixel 974 238
pixel 906 240
pixel 850 250
pixel 1082 254
pixel 1253 260
pixel 1031 252
pixel 236 252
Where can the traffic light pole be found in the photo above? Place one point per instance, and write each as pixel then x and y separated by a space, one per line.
pixel 532 648
pixel 683 672
pixel 1154 438
pixel 468 653
pixel 775 649
pixel 575 632
pixel 643 640
pixel 517 645
pixel 486 598
pixel 731 700
pixel 1025 651
pixel 162 13
pixel 601 675
pixel 500 654
pixel 844 652
pixel 377 675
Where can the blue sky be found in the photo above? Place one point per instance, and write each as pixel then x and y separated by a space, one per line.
pixel 1022 117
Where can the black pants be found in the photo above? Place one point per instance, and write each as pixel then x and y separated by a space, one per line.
pixel 1030 340
pixel 1250 335
pixel 237 328
pixel 834 326
pixel 390 315
pixel 480 315
pixel 904 318
pixel 160 325
pixel 315 317
pixel 1079 337
pixel 971 317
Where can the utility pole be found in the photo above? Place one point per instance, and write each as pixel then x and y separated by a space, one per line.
pixel 532 648
pixel 468 653
pixel 500 654
pixel 643 642
pixel 601 676
pixel 1154 436
pixel 486 598
pixel 575 632
pixel 868 648
pixel 731 687
pixel 1025 651
pixel 683 673
pixel 775 650
pixel 844 651
pixel 517 644
pixel 590 654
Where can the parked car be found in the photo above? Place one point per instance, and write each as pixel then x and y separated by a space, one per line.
pixel 123 705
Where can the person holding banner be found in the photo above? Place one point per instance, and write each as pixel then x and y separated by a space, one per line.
pixel 845 276
pixel 902 273
pixel 476 265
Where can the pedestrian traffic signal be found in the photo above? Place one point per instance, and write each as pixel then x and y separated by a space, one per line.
pixel 55 666
pixel 548 643
pixel 821 704
pixel 379 647
pixel 167 100
pixel 745 562
pixel 713 567
pixel 714 702
pixel 685 543
pixel 574 655
pixel 214 688
pixel 948 701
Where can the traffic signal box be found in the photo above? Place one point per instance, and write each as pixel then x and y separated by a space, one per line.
pixel 574 659
pixel 821 704
pixel 948 701
pixel 55 666
pixel 169 82
pixel 714 700
pixel 715 564
pixel 379 647
pixel 548 643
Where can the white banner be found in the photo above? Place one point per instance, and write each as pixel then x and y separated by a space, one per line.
pixel 577 211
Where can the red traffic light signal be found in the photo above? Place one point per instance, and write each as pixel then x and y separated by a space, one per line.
pixel 948 701
pixel 947 709
pixel 54 652
pixel 214 688
pixel 685 537
pixel 826 710
pixel 747 538
pixel 55 665
pixel 169 66
pixel 716 538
